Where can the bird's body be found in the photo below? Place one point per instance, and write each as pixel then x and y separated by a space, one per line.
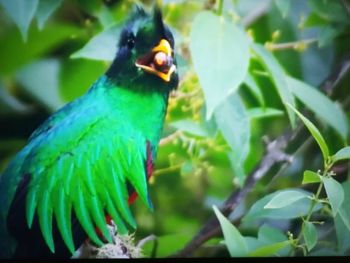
pixel 90 157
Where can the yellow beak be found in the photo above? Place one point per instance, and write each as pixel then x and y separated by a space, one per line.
pixel 163 46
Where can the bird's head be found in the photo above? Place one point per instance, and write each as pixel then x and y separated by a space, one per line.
pixel 145 58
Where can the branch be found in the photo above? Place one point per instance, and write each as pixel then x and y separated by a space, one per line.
pixel 275 154
pixel 346 5
pixel 170 138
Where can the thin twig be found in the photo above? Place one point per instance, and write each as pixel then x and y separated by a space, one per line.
pixel 346 6
pixel 300 44
pixel 170 138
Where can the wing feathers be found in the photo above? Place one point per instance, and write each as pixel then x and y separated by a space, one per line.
pixel 63 217
pixel 45 219
pixel 98 216
pixel 88 174
pixel 83 216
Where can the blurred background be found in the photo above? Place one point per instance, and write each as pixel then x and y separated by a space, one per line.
pixel 240 62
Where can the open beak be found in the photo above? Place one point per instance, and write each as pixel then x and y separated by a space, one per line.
pixel 159 61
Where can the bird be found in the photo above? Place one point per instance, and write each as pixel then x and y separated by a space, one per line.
pixel 94 156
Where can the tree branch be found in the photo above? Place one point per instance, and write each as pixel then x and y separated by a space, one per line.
pixel 275 154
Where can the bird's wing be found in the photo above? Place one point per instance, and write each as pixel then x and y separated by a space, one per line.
pixel 84 164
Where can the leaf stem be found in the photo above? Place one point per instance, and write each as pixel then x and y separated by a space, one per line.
pixel 299 45
pixel 220 7
pixel 309 213
pixel 167 170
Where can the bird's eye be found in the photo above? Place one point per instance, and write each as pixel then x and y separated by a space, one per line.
pixel 131 42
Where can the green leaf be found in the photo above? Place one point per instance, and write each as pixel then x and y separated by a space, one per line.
pixel 254 88
pixel 105 16
pixel 327 34
pixel 234 123
pixel 342 154
pixel 313 20
pixel 16 53
pixel 294 210
pixel 259 113
pixel 310 235
pixel 315 133
pixel 311 177
pixel 103 46
pixel 72 84
pixel 268 235
pixel 330 10
pixel 277 76
pixel 233 239
pixel 285 198
pixel 190 126
pixel 167 245
pixel 269 250
pixel 321 105
pixel 21 12
pixel 220 55
pixel 283 6
pixel 40 79
pixel 345 216
pixel 334 192
pixel 342 220
pixel 45 10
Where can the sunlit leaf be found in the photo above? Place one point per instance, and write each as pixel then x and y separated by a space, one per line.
pixel 335 193
pixel 190 127
pixel 22 13
pixel 268 234
pixel 294 210
pixel 233 122
pixel 45 10
pixel 310 177
pixel 277 76
pixel 254 88
pixel 103 46
pixel 342 220
pixel 283 6
pixel 40 80
pixel 315 133
pixel 221 60
pixel 269 250
pixel 233 239
pixel 259 113
pixel 310 235
pixel 321 105
pixel 285 198
pixel 342 154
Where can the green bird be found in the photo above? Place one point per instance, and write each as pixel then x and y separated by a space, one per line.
pixel 93 156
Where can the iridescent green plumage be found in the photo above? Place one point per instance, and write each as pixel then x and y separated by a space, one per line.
pixel 83 157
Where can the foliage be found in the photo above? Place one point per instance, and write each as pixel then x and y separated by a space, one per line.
pixel 247 70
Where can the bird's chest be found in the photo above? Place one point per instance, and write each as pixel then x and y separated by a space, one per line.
pixel 142 112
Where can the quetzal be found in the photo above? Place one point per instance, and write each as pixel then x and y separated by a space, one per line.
pixel 93 156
